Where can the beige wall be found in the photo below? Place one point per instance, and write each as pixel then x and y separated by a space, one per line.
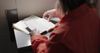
pixel 26 7
pixel 5 4
pixel 37 7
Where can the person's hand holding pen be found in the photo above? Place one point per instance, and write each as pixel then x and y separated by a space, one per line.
pixel 39 42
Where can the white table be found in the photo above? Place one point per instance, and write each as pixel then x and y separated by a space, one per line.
pixel 22 39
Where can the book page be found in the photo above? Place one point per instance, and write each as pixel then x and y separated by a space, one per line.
pixel 21 27
pixel 34 23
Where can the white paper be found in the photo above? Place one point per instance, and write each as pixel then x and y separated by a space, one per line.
pixel 34 23
pixel 22 39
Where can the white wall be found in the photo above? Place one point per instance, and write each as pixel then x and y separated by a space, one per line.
pixel 5 4
pixel 37 7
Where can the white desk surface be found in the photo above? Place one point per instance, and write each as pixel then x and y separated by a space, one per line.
pixel 22 39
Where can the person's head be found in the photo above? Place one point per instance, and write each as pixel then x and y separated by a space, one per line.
pixel 68 5
pixel 63 6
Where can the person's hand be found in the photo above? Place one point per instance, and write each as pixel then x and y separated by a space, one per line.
pixel 37 39
pixel 53 13
pixel 49 14
pixel 42 48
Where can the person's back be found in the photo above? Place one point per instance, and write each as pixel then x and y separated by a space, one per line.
pixel 84 30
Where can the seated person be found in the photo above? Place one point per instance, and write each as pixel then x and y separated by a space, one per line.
pixel 77 32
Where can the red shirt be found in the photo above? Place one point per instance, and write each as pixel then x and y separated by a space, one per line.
pixel 81 33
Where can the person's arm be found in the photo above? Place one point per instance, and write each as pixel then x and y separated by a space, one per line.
pixel 40 43
pixel 50 13
pixel 56 12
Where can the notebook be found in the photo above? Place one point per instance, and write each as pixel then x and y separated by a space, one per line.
pixel 33 24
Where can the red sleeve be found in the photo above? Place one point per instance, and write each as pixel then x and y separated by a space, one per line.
pixel 59 31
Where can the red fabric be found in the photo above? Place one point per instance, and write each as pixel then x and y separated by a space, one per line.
pixel 36 41
pixel 81 33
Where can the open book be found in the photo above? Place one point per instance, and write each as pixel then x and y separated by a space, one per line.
pixel 33 23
